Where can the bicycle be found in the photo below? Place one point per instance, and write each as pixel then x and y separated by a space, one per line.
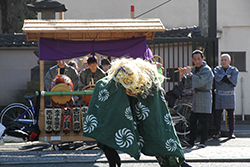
pixel 181 117
pixel 19 115
pixel 181 111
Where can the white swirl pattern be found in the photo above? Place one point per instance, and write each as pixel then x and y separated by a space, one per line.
pixel 140 142
pixel 162 97
pixel 135 125
pixel 141 111
pixel 90 123
pixel 171 145
pixel 124 138
pixel 167 119
pixel 103 95
pixel 128 114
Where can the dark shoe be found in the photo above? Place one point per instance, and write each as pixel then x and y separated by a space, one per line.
pixel 185 164
pixel 118 163
pixel 112 156
pixel 188 144
pixel 201 145
pixel 217 136
pixel 231 136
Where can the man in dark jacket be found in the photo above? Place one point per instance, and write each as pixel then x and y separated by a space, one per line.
pixel 64 69
pixel 92 74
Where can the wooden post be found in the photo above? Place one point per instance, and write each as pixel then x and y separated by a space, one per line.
pixel 42 83
pixel 61 15
pixel 132 11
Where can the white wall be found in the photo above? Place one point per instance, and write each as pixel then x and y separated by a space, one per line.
pixel 176 13
pixel 233 13
pixel 15 72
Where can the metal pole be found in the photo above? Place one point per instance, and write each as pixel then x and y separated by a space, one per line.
pixel 242 98
pixel 212 11
pixel 64 93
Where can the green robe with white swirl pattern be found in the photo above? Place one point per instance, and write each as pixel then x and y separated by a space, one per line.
pixel 132 124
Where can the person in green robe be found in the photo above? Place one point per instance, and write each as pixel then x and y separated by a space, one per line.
pixel 128 112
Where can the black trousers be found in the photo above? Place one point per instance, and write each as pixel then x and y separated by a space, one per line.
pixel 115 161
pixel 203 119
pixel 112 156
pixel 217 119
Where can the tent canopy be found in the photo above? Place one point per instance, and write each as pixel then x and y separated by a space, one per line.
pixel 64 39
pixel 54 49
pixel 88 30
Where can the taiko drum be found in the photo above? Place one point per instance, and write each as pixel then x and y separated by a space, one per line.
pixel 86 98
pixel 61 83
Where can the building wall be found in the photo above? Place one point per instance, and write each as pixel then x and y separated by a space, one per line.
pixel 175 13
pixel 232 13
pixel 15 72
pixel 232 22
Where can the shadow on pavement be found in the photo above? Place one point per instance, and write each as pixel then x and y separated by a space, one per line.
pixel 35 147
pixel 62 146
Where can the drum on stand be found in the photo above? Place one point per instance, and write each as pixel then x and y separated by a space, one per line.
pixel 86 98
pixel 61 83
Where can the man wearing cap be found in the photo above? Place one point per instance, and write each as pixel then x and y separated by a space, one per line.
pixel 200 78
pixel 226 78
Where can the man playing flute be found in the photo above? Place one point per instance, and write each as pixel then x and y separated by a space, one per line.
pixel 200 78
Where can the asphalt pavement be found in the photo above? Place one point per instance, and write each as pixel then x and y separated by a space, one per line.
pixel 216 150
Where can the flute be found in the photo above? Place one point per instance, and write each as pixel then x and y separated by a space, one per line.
pixel 190 66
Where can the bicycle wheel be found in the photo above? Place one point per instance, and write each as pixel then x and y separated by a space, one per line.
pixel 181 117
pixel 10 114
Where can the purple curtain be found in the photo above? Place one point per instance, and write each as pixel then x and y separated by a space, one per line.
pixel 54 49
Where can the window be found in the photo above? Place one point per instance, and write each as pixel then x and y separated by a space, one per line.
pixel 238 59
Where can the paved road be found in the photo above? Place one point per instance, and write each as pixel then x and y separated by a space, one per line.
pixel 143 164
pixel 220 152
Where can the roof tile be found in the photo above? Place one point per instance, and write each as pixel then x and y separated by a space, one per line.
pixel 16 40
pixel 19 40
pixel 181 32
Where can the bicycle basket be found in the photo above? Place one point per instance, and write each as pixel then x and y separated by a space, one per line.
pixel 160 67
